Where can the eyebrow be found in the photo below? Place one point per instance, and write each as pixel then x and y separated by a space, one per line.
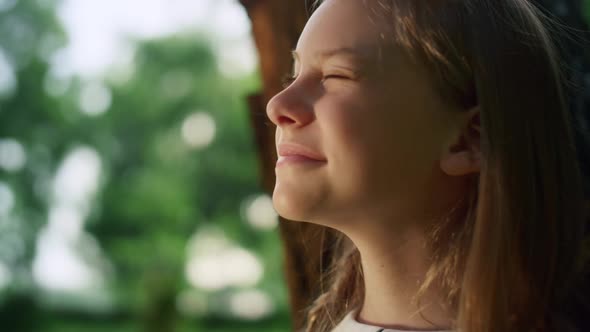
pixel 348 51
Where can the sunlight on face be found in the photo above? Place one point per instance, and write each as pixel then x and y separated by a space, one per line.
pixel 368 111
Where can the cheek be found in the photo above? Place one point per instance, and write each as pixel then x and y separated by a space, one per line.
pixel 354 137
pixel 374 150
pixel 357 131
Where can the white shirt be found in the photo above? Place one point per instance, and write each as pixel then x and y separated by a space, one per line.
pixel 350 324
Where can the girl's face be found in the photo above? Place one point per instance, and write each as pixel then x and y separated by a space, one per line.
pixel 366 109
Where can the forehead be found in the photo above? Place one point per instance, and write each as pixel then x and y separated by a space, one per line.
pixel 343 28
pixel 361 54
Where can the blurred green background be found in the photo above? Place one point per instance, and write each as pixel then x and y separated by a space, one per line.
pixel 129 185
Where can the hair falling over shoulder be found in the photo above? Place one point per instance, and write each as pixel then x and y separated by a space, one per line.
pixel 511 256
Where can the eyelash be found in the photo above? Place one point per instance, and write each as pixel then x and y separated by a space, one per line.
pixel 338 77
pixel 288 79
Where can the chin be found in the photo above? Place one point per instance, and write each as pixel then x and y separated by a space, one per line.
pixel 293 203
pixel 289 207
pixel 313 208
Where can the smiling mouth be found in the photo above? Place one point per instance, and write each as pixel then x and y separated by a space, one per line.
pixel 297 160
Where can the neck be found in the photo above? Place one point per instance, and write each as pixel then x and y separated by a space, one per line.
pixel 393 271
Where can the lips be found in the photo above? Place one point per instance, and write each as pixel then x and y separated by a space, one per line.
pixel 300 151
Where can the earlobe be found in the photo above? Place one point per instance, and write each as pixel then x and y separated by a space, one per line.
pixel 461 163
pixel 463 155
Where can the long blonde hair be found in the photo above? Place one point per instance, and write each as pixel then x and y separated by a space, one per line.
pixel 510 254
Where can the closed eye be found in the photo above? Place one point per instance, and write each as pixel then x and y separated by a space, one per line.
pixel 287 80
pixel 340 77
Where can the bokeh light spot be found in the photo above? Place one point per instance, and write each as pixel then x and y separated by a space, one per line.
pixel 5 276
pixel 12 155
pixel 76 179
pixel 6 5
pixel 198 130
pixel 251 304
pixel 95 98
pixel 214 263
pixel 7 76
pixel 260 213
pixel 6 199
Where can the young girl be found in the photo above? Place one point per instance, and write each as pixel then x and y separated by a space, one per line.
pixel 433 136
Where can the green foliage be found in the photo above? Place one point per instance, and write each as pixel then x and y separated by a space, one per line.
pixel 155 190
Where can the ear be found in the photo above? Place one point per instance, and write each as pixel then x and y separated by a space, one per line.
pixel 462 156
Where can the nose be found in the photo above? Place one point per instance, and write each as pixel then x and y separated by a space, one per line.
pixel 290 107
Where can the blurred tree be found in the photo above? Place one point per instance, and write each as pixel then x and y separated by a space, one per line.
pixel 160 187
pixel 29 117
pixel 174 150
